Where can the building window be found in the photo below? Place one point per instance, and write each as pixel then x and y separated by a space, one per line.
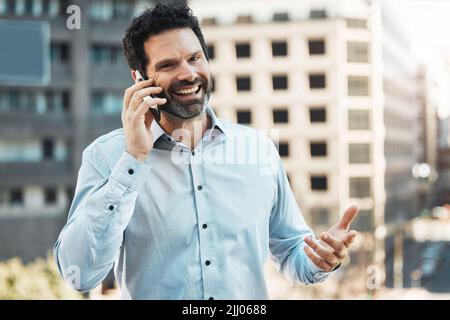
pixel 28 7
pixel 283 149
pixel 359 153
pixel 50 196
pixel 57 102
pixel 100 11
pixel 279 82
pixel 65 107
pixel 318 149
pixel 62 7
pixel 18 101
pixel 242 19
pixel 209 21
pixel 211 51
pixel 364 221
pixel 358 52
pixel 318 14
pixel 280 115
pixel 48 149
pixel 16 197
pixel 358 120
pixel 317 115
pixel 279 48
pixel 316 46
pixel 320 217
pixel 280 16
pixel 317 81
pixel 244 116
pixel 356 23
pixel 319 182
pixel 358 86
pixel 106 103
pixel 243 50
pixel 8 7
pixel 45 9
pixel 359 187
pixel 59 52
pixel 122 9
pixel 105 54
pixel 243 83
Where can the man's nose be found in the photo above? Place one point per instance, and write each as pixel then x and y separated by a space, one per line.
pixel 186 72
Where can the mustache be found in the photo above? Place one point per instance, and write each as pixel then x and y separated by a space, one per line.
pixel 184 83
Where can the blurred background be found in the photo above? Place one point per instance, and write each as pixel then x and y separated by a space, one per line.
pixel 358 91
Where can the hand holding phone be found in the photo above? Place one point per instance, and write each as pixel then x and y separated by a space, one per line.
pixel 136 120
pixel 153 109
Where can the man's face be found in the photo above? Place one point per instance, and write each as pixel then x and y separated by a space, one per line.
pixel 178 65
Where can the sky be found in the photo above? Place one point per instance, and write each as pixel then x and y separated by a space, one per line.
pixel 430 36
pixel 430 26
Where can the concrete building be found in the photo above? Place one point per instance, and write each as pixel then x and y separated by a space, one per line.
pixel 43 130
pixel 433 82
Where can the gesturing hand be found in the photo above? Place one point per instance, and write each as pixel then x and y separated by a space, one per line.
pixel 334 244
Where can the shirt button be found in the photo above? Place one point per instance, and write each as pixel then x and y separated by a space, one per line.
pixel 111 207
pixel 211 298
pixel 204 226
pixel 193 152
pixel 131 171
pixel 207 262
pixel 199 188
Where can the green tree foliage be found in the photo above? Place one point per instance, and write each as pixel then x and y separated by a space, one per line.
pixel 37 280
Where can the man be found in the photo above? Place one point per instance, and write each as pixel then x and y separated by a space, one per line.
pixel 161 201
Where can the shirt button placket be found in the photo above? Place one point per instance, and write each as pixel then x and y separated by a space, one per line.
pixel 202 218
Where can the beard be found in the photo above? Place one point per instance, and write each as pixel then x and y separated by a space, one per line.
pixel 186 109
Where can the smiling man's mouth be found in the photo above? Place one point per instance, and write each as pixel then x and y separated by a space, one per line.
pixel 188 92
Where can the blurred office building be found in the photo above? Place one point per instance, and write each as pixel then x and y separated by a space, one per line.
pixel 44 129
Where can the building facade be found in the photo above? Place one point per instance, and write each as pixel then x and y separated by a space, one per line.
pixel 43 130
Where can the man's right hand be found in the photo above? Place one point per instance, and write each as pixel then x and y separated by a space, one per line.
pixel 136 120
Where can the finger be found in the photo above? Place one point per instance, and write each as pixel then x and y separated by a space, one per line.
pixel 320 263
pixel 349 238
pixel 326 254
pixel 149 116
pixel 144 107
pixel 140 113
pixel 142 94
pixel 130 91
pixel 349 215
pixel 337 245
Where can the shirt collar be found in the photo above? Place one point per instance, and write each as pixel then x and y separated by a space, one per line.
pixel 158 131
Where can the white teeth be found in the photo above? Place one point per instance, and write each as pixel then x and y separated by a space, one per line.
pixel 187 91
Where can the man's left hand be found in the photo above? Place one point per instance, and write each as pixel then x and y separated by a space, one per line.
pixel 332 249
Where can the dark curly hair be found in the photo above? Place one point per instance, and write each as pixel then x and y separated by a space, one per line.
pixel 163 17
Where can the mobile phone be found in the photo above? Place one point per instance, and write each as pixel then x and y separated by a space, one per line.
pixel 153 109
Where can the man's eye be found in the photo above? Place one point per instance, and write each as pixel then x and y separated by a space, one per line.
pixel 195 58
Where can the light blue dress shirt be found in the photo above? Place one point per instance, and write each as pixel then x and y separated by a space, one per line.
pixel 185 224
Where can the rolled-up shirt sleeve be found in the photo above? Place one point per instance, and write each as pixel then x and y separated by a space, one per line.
pixel 102 207
pixel 288 229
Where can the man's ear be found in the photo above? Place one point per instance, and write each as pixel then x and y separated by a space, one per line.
pixel 134 76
